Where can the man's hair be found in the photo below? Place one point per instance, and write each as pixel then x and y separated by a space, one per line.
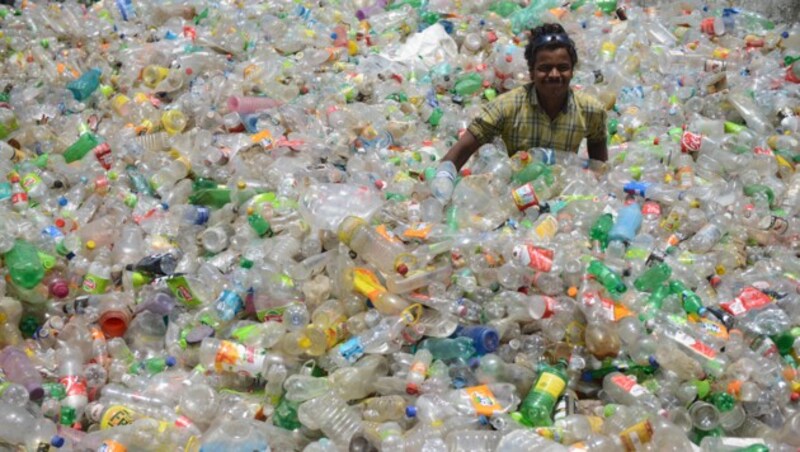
pixel 549 36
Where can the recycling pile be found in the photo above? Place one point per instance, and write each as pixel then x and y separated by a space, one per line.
pixel 218 232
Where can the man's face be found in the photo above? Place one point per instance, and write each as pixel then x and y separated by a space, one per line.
pixel 551 72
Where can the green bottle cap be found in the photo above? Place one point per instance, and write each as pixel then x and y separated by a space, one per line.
pixel 723 401
pixel 67 415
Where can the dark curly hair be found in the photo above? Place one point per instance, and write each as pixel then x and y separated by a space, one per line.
pixel 549 29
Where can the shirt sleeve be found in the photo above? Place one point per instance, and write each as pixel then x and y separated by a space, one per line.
pixel 596 125
pixel 489 123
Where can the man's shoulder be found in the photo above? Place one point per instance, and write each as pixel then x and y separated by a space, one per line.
pixel 587 102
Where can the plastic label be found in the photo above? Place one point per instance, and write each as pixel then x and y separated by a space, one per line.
pixel 691 142
pixel 651 208
pixel 418 231
pixel 550 384
pixel 351 350
pixel 483 400
pixel 110 445
pixel 30 181
pixel 525 197
pixel 636 435
pixel 694 344
pixel 228 305
pixel 749 298
pixel 102 153
pixel 243 360
pixel 366 283
pixel 94 284
pixel 547 228
pixel 540 259
pixel 629 385
pixel 180 288
pixel 74 385
pixel 116 415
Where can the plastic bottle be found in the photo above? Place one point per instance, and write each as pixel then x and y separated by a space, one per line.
pixel 537 407
pixel 372 246
pixel 19 369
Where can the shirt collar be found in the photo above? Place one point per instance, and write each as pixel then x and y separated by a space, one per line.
pixel 568 105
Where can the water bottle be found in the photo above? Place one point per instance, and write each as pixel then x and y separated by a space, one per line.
pixel 443 182
pixel 24 264
pixel 629 220
pixel 18 369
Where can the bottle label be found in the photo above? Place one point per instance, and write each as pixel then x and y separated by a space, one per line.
pixel 691 142
pixel 351 350
pixel 551 384
pixel 386 234
pixel 636 435
pixel 540 259
pixel 30 181
pixel 240 359
pixel 228 305
pixel 551 433
pixel 629 385
pixel 74 386
pixel 694 345
pixel 547 228
pixel 366 283
pixel 483 400
pixel 102 153
pixel 180 288
pixel 116 415
pixel 525 197
pixel 419 231
pixel 749 298
pixel 651 208
pixel 94 284
pixel 110 445
pixel 19 198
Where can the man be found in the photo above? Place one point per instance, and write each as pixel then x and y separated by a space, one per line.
pixel 544 113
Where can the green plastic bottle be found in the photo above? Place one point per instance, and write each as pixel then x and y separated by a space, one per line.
pixel 468 84
pixel 24 265
pixel 653 277
pixel 607 277
pixel 756 189
pixel 600 229
pixel 541 399
pixel 285 415
pixel 81 147
pixel 212 197
pixel 692 303
pixel 531 172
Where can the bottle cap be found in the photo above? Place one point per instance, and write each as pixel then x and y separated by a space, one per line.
pixel 411 411
pixel 170 361
pixel 57 441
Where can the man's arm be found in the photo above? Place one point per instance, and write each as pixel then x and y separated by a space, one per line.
pixel 597 150
pixel 460 152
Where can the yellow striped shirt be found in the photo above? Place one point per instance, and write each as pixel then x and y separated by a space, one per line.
pixel 518 119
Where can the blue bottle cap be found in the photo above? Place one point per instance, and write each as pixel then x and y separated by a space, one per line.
pixel 62 201
pixel 57 441
pixel 484 339
pixel 474 362
pixel 411 411
pixel 652 361
pixel 170 361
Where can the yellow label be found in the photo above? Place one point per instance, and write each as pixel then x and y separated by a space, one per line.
pixel 551 384
pixel 596 422
pixel 116 415
pixel 547 229
pixel 483 400
pixel 366 283
pixel 636 435
pixel 264 135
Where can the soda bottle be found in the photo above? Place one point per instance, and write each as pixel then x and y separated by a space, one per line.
pixel 540 401
pixel 372 245
pixel 607 277
pixel 24 265
pixel 653 277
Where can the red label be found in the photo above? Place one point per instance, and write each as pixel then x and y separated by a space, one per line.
pixel 103 154
pixel 749 298
pixel 540 259
pixel 703 349
pixel 74 385
pixel 651 208
pixel 19 198
pixel 623 381
pixel 691 142
pixel 758 150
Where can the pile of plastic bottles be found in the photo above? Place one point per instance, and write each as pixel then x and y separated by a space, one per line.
pixel 218 230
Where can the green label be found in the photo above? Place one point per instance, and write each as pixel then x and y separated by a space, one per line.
pixel 180 288
pixel 94 284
